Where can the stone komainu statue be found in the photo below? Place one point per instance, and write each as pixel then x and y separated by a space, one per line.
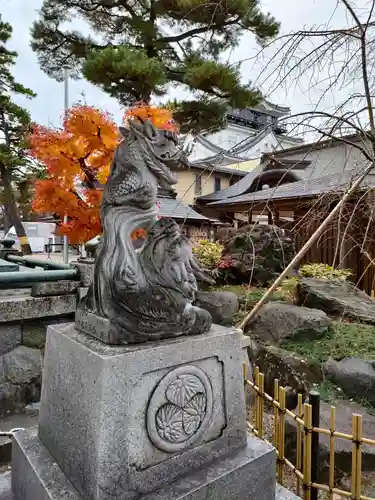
pixel 146 294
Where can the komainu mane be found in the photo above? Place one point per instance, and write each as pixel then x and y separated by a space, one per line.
pixel 146 294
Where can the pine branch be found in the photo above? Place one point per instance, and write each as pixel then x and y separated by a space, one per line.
pixel 195 31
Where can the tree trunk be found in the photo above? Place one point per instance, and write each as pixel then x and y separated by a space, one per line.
pixel 6 221
pixel 12 210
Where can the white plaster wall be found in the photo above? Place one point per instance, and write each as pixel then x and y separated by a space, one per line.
pixel 230 137
pixel 199 152
pixel 330 160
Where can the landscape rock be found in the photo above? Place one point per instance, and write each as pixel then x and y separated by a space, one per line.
pixel 32 409
pixel 277 322
pixel 23 365
pixel 355 376
pixel 11 398
pixel 20 378
pixel 337 298
pixel 10 336
pixel 221 305
pixel 291 370
pixel 343 447
pixel 259 253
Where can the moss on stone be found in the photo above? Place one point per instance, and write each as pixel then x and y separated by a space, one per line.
pixel 34 334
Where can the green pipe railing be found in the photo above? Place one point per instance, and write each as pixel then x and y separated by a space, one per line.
pixel 25 279
pixel 30 262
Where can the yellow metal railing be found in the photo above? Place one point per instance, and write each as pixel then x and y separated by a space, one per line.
pixel 303 417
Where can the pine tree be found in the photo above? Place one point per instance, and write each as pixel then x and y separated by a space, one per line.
pixel 140 48
pixel 15 165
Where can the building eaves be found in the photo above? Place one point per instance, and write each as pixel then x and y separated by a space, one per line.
pixel 237 189
pixel 296 140
pixel 227 154
pixel 251 141
pixel 311 146
pixel 175 208
pixel 287 163
pixel 306 188
pixel 178 209
pixel 205 165
pixel 265 107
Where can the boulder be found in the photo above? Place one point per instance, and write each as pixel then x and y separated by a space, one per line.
pixel 277 322
pixel 20 378
pixel 258 253
pixel 337 298
pixel 23 365
pixel 355 376
pixel 221 305
pixel 343 447
pixel 291 370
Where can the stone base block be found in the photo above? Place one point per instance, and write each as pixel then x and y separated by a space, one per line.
pixel 248 474
pixel 121 421
pixel 35 475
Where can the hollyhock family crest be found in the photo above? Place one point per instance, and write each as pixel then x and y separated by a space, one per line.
pixel 143 294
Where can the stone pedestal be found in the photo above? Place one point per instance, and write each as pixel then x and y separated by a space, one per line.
pixel 163 420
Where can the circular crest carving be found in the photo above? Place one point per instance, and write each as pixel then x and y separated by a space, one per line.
pixel 180 409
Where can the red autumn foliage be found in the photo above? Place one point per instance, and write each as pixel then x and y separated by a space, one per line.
pixel 77 159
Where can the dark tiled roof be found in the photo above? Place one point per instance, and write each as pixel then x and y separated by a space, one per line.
pixel 218 151
pixel 312 146
pixel 301 189
pixel 205 165
pixel 294 164
pixel 177 209
pixel 264 106
pixel 237 189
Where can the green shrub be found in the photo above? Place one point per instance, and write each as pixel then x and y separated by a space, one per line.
pixel 288 288
pixel 324 271
pixel 319 271
pixel 208 253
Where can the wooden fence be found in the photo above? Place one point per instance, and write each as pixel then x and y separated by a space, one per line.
pixel 357 253
pixel 307 445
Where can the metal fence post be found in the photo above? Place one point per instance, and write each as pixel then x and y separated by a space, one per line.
pixel 314 401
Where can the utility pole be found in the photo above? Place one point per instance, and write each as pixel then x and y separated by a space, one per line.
pixel 66 107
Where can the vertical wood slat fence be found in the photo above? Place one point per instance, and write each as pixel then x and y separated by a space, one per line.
pixel 302 469
pixel 358 253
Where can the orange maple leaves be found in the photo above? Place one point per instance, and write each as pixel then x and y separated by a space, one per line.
pixel 77 160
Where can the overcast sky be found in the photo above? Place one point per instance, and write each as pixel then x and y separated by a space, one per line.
pixel 47 107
